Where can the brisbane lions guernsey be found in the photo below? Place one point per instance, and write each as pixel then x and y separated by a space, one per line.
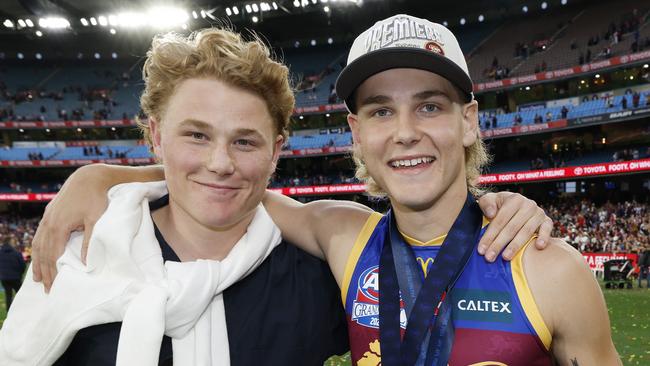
pixel 496 319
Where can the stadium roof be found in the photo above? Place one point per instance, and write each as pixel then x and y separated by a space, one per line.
pixel 127 24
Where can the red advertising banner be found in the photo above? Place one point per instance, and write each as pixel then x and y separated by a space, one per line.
pixel 516 130
pixel 66 124
pixel 562 73
pixel 596 260
pixel 72 163
pixel 316 151
pixel 631 166
pixel 321 190
pixel 35 197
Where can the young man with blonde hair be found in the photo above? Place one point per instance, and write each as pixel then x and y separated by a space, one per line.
pixel 193 257
pixel 331 230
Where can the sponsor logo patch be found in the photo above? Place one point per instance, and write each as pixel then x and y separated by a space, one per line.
pixel 482 306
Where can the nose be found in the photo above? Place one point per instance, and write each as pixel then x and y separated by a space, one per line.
pixel 220 160
pixel 406 131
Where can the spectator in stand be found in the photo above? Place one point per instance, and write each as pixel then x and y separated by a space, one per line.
pixel 12 266
pixel 564 111
pixel 538 119
pixel 644 266
pixel 636 98
pixel 624 102
pixel 549 116
pixel 518 119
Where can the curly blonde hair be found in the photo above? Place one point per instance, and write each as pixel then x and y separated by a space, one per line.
pixel 220 54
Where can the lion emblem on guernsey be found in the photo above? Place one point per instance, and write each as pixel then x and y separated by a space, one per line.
pixel 373 357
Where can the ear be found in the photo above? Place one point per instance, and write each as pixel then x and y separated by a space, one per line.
pixel 353 122
pixel 154 129
pixel 470 123
pixel 277 148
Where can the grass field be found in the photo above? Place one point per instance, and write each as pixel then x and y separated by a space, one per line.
pixel 629 312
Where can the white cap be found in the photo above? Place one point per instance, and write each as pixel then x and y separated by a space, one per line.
pixel 404 41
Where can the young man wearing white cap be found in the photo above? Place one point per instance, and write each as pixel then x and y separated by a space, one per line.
pixel 415 129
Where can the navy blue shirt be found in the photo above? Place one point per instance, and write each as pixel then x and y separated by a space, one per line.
pixel 287 312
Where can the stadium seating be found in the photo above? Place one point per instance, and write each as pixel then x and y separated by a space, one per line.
pixel 560 55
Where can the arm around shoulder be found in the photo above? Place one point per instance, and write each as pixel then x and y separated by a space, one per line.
pixel 324 228
pixel 572 305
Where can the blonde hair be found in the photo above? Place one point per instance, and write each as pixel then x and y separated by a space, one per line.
pixel 220 54
pixel 476 158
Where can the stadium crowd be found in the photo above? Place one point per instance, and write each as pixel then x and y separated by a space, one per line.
pixel 18 232
pixel 622 227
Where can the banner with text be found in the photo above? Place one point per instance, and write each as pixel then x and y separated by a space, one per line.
pixel 596 260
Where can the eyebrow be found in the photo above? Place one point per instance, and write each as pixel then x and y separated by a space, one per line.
pixel 196 123
pixel 206 126
pixel 423 95
pixel 431 93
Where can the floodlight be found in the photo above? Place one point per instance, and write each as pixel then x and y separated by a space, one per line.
pixel 93 21
pixel 131 19
pixel 29 23
pixel 8 23
pixel 164 16
pixel 84 22
pixel 255 8
pixel 255 19
pixel 102 21
pixel 53 22
pixel 235 10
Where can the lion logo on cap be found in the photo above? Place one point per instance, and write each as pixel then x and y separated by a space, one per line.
pixel 434 47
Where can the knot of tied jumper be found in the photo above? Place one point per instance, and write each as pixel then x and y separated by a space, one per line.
pixel 126 280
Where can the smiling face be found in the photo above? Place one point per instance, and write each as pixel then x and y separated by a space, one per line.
pixel 412 131
pixel 218 146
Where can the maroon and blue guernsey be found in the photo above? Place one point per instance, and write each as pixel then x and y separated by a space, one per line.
pixel 496 319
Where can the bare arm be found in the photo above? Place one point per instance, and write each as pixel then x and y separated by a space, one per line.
pixel 326 228
pixel 77 206
pixel 572 305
